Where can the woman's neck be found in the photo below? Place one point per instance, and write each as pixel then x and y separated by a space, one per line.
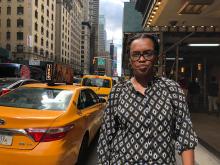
pixel 143 81
pixel 140 84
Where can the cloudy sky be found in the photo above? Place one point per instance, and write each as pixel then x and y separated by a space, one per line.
pixel 113 11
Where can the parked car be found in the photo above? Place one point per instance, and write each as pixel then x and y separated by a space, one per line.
pixel 100 84
pixel 51 125
pixel 8 84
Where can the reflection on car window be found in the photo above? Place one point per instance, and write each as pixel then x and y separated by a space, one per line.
pixel 96 82
pixel 37 98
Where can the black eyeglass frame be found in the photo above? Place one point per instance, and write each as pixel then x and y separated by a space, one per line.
pixel 147 54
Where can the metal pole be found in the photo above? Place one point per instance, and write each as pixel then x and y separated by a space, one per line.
pixel 177 62
pixel 161 57
pixel 205 81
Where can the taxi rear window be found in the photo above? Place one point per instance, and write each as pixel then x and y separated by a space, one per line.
pixel 96 82
pixel 37 98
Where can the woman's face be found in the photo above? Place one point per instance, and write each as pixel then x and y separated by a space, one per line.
pixel 142 66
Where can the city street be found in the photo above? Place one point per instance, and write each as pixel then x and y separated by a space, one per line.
pixel 202 155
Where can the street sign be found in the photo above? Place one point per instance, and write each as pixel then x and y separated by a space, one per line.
pixel 101 61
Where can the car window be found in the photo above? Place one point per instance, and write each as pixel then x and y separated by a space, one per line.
pixel 94 96
pixel 96 82
pixel 86 99
pixel 37 98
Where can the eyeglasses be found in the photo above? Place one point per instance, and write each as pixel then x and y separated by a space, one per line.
pixel 147 54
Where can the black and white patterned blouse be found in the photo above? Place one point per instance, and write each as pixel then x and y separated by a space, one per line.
pixel 145 129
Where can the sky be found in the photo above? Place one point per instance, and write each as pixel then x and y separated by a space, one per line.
pixel 113 12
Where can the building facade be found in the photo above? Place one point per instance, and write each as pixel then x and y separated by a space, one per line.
pixel 101 35
pixel 28 29
pixel 94 17
pixel 85 38
pixel 76 32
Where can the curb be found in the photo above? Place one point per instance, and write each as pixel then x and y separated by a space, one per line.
pixel 209 148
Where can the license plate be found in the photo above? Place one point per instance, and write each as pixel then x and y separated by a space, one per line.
pixel 5 140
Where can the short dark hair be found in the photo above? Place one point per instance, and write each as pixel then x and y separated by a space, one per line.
pixel 145 35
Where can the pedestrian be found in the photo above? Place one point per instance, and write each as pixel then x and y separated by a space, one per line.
pixel 146 116
pixel 194 94
pixel 213 90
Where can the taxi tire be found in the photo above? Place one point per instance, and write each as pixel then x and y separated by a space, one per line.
pixel 83 150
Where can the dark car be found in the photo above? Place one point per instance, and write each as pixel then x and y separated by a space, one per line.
pixel 8 84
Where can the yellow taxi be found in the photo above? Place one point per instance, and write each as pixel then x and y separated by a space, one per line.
pixel 101 85
pixel 48 125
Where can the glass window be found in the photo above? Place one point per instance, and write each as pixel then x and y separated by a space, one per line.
pixel 8 35
pixel 8 23
pixel 37 98
pixel 8 10
pixel 20 36
pixel 20 23
pixel 97 82
pixel 20 10
pixel 20 48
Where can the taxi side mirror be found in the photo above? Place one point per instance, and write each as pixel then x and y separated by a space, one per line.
pixel 102 100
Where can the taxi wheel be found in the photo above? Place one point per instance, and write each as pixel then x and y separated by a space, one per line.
pixel 83 149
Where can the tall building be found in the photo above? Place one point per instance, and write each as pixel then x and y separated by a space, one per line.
pixel 94 16
pixel 101 35
pixel 76 32
pixel 27 29
pixel 85 38
pixel 63 29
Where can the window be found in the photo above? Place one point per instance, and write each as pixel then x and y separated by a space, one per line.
pixel 48 24
pixel 36 2
pixel 8 35
pixel 20 10
pixel 48 13
pixel 42 19
pixel 20 48
pixel 36 14
pixel 42 42
pixel 8 23
pixel 42 30
pixel 36 26
pixel 47 34
pixel 20 36
pixel 8 10
pixel 35 49
pixel 20 23
pixel 41 52
pixel 8 47
pixel 47 44
pixel 35 38
pixel 42 8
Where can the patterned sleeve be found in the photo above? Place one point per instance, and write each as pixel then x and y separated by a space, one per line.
pixel 108 130
pixel 186 137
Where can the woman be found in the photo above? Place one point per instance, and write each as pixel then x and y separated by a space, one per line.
pixel 146 116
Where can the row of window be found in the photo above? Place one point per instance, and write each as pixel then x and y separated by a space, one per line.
pixel 20 48
pixel 20 36
pixel 42 17
pixel 42 6
pixel 20 10
pixel 20 22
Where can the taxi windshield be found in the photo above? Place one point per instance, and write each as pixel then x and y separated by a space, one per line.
pixel 96 82
pixel 37 98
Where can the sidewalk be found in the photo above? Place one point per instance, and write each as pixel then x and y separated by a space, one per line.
pixel 207 128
